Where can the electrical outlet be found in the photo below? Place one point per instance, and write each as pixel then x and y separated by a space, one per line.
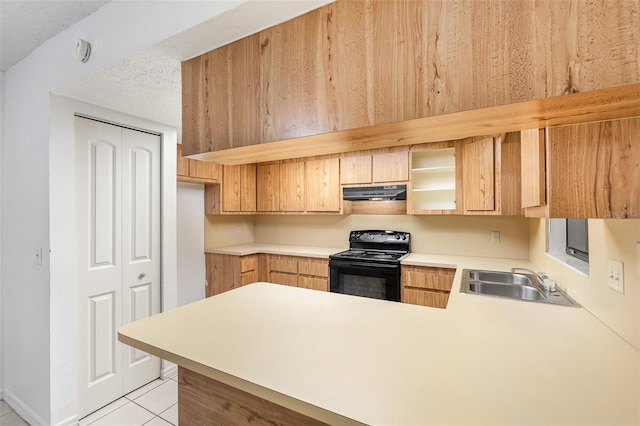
pixel 616 275
pixel 495 236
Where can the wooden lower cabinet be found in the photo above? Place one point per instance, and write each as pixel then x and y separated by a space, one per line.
pixel 296 271
pixel 226 272
pixel 426 286
pixel 205 401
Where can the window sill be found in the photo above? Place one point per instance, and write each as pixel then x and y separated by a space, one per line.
pixel 576 264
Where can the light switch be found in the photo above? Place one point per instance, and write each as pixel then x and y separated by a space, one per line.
pixel 616 275
pixel 495 236
pixel 37 254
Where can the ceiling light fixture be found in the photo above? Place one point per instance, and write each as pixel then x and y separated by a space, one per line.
pixel 82 50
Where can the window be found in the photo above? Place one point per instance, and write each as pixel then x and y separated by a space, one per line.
pixel 568 243
pixel 577 241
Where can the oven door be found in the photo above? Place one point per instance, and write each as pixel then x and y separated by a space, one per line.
pixel 368 279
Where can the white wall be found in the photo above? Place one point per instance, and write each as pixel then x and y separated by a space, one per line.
pixel 190 239
pixel 38 365
pixel 458 235
pixel 36 359
pixel 62 239
pixel 608 239
pixel 2 89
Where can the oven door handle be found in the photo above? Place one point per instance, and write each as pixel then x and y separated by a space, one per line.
pixel 342 264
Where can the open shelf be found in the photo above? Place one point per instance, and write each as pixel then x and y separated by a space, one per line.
pixel 433 178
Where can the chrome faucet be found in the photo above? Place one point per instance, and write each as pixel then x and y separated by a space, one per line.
pixel 541 278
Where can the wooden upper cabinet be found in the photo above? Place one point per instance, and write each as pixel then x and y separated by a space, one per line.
pixel 268 187
pixel 356 63
pixel 380 166
pixel 391 166
pixel 592 171
pixel 532 166
pixel 239 188
pixel 323 185
pixel 292 187
pixel 196 171
pixel 356 169
pixel 491 175
pixel 478 173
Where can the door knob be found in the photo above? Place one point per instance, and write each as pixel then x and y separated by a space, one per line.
pixel 142 275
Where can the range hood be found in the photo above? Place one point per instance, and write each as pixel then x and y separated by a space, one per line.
pixel 375 193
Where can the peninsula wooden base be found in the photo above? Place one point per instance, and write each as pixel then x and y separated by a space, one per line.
pixel 205 401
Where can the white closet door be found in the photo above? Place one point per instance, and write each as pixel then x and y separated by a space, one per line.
pixel 118 229
pixel 141 246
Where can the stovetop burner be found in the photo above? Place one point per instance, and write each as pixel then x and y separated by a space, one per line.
pixel 378 246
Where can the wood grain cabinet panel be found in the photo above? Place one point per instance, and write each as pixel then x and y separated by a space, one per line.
pixel 330 69
pixel 356 169
pixel 532 166
pixel 491 175
pixel 427 286
pixel 592 171
pixel 268 187
pixel 239 188
pixel 196 171
pixel 292 187
pixel 391 166
pixel 478 174
pixel 223 273
pixel 323 185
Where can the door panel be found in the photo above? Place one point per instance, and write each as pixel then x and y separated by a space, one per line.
pixel 141 228
pixel 99 251
pixel 118 240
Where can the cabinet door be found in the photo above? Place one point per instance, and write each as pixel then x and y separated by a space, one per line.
pixel 292 187
pixel 313 283
pixel 425 298
pixel 248 188
pixel 268 187
pixel 355 169
pixel 231 188
pixel 284 279
pixel 391 166
pixel 323 185
pixel 223 273
pixel 426 286
pixel 239 188
pixel 314 267
pixel 594 170
pixel 204 170
pixel 478 174
pixel 532 168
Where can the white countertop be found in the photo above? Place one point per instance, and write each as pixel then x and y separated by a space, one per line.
pixel 253 248
pixel 346 359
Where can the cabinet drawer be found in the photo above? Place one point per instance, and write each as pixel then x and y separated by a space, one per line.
pixel 249 277
pixel 425 297
pixel 249 263
pixel 283 264
pixel 315 267
pixel 286 279
pixel 313 283
pixel 429 278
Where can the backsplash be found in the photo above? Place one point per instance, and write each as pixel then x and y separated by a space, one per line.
pixel 459 235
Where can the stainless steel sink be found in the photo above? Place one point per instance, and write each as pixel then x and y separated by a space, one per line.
pixel 511 285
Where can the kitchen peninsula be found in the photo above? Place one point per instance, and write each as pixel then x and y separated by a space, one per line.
pixel 341 359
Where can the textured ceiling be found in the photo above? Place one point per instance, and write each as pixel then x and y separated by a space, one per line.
pixel 27 24
pixel 146 84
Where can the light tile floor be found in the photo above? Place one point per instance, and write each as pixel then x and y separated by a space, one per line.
pixel 154 404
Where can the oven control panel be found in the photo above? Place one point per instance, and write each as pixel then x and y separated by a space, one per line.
pixel 375 236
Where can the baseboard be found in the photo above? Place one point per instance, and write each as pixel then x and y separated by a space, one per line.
pixel 71 421
pixel 168 370
pixel 23 410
